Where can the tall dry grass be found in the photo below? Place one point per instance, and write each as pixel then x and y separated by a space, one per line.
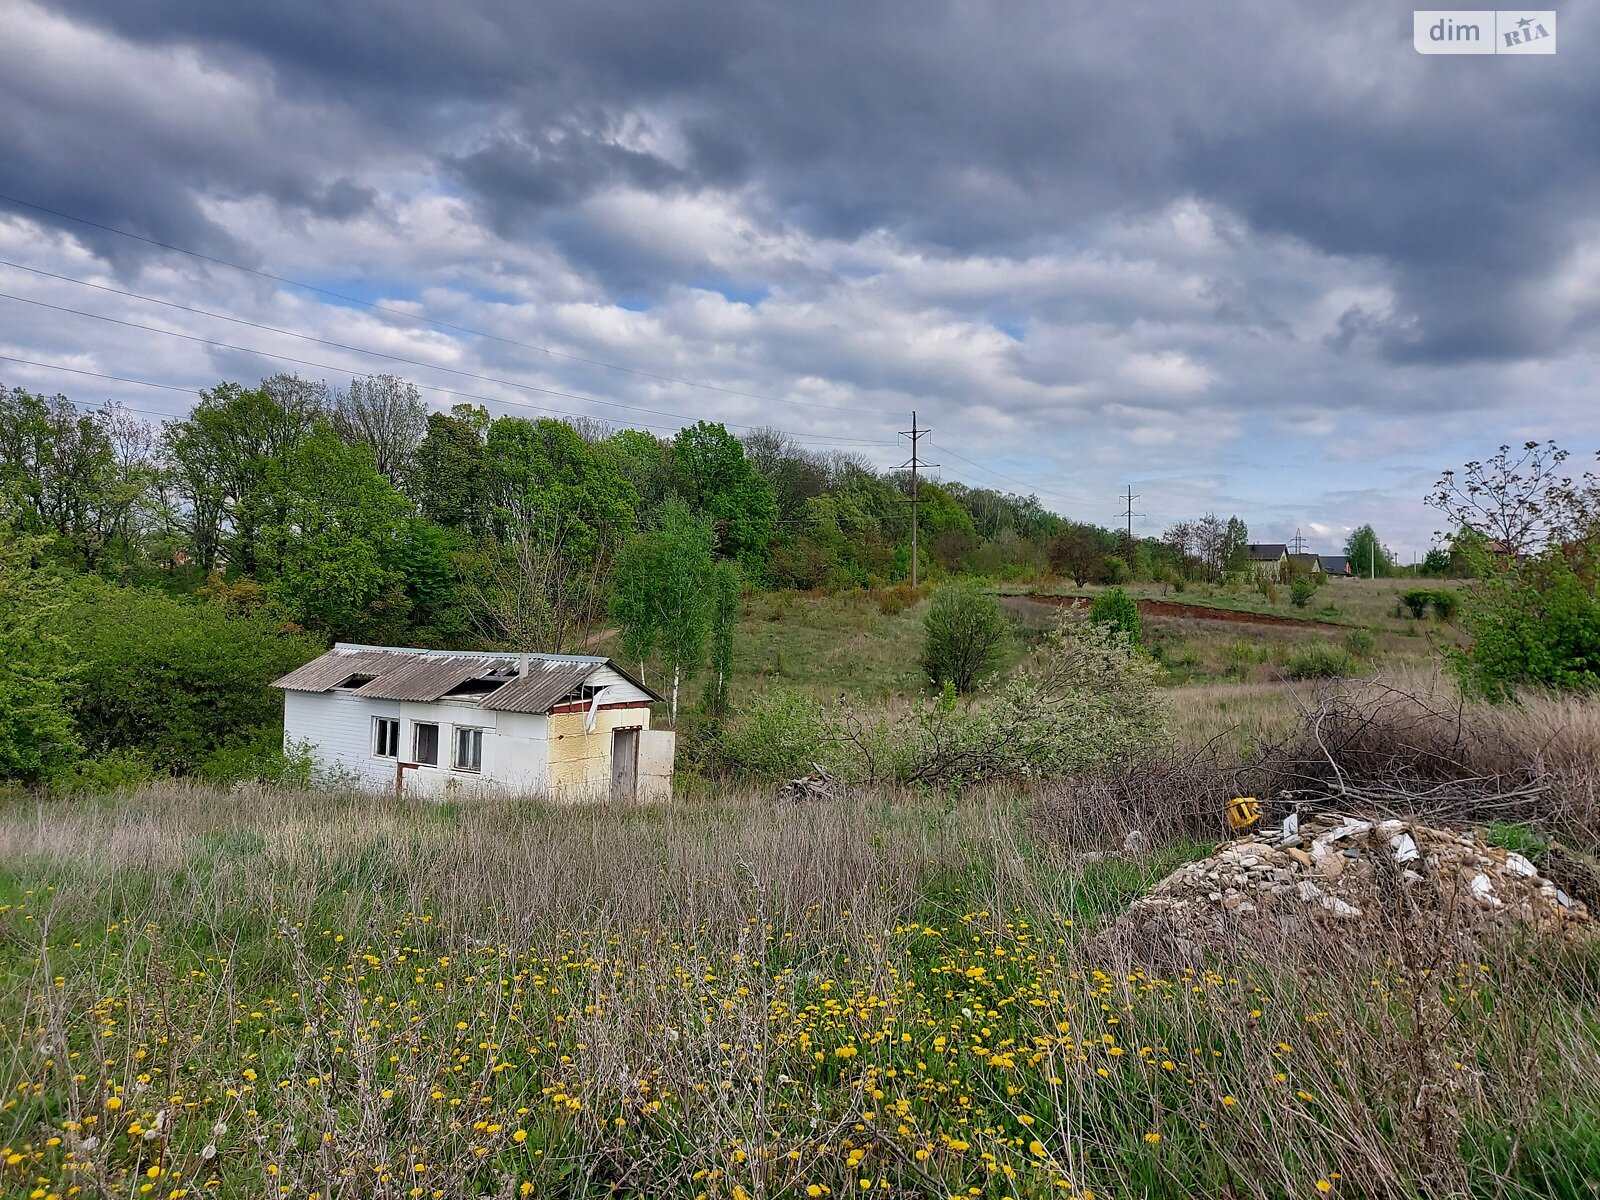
pixel 345 996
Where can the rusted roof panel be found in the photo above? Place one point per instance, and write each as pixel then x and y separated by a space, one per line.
pixel 545 683
pixel 334 667
pixel 425 677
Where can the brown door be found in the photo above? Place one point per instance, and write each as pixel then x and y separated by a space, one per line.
pixel 624 763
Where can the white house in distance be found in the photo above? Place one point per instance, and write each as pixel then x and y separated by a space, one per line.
pixel 439 723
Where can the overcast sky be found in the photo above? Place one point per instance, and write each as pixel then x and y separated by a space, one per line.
pixel 1258 258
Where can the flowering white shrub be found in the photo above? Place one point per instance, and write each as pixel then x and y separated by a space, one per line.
pixel 1086 700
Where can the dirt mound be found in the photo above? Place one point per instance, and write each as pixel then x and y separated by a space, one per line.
pixel 1195 612
pixel 1344 876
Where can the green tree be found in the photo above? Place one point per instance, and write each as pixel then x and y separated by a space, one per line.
pixel 545 475
pixel 175 680
pixel 37 736
pixel 1236 546
pixel 1366 553
pixel 336 542
pixel 1120 611
pixel 724 614
pixel 1437 562
pixel 229 458
pixel 425 557
pixel 661 593
pixel 449 476
pixel 963 634
pixel 711 473
pixel 641 457
pixel 81 478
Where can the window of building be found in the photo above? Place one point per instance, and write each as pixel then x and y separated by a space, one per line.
pixel 425 744
pixel 385 737
pixel 469 749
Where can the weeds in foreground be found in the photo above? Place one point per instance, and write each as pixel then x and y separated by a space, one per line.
pixel 311 995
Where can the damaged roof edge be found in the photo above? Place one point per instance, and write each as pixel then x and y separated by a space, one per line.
pixel 404 673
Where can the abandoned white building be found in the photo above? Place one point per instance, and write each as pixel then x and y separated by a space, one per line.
pixel 437 723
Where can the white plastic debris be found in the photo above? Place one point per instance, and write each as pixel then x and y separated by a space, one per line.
pixel 1291 827
pixel 1483 891
pixel 1348 830
pixel 1518 865
pixel 1340 908
pixel 1405 850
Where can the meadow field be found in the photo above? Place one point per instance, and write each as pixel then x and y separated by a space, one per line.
pixel 268 991
pixel 303 994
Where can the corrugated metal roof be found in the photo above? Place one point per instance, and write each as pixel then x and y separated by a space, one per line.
pixel 426 677
pixel 545 683
pixel 333 668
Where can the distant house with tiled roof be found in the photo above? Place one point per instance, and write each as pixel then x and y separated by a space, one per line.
pixel 1268 560
pixel 1305 564
pixel 1336 565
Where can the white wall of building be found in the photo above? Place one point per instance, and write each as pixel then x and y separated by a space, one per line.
pixel 338 728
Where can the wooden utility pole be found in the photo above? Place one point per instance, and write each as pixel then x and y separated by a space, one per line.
pixel 915 500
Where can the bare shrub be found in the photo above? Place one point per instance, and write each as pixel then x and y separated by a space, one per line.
pixel 1421 751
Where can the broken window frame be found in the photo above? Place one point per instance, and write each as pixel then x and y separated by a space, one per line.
pixel 467 734
pixel 386 733
pixel 416 743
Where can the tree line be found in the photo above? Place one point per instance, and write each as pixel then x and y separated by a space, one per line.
pixel 359 514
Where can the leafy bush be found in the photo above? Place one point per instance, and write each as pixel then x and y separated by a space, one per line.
pixel 259 754
pixel 894 600
pixel 1445 605
pixel 1117 569
pixel 176 680
pixel 1117 610
pixel 963 634
pixel 1301 591
pixel 1359 643
pixel 1538 626
pixel 1319 660
pixel 1087 700
pixel 779 735
pixel 113 771
pixel 1417 601
pixel 37 739
pixel 1241 656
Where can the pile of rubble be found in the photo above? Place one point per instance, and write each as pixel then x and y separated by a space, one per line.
pixel 1340 873
pixel 819 785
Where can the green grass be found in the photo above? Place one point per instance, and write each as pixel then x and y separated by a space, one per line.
pixel 1355 602
pixel 826 645
pixel 315 995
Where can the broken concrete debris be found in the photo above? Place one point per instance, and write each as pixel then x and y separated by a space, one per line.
pixel 1333 871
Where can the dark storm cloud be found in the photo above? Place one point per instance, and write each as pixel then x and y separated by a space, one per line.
pixel 970 128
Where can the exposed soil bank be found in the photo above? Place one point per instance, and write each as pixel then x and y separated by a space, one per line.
pixel 1195 612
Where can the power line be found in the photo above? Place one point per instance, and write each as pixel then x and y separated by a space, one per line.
pixel 189 337
pixel 915 501
pixel 1008 478
pixel 1131 498
pixel 389 310
pixel 28 362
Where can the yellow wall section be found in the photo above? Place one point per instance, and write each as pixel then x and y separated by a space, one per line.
pixel 580 763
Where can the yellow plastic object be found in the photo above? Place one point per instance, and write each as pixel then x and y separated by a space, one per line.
pixel 1243 812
